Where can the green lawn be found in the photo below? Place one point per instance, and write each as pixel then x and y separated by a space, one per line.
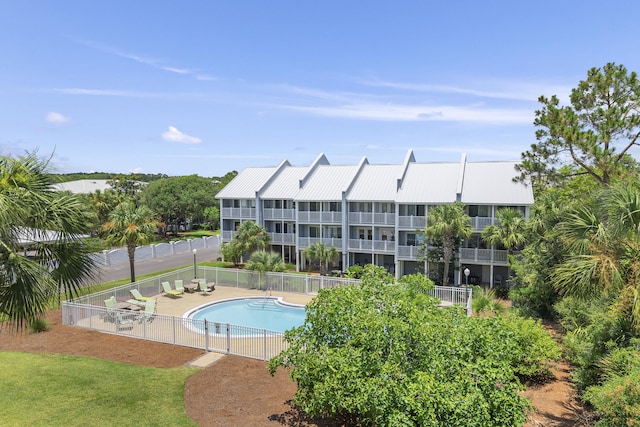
pixel 58 390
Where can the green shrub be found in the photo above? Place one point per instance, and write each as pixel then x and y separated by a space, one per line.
pixel 617 401
pixel 38 325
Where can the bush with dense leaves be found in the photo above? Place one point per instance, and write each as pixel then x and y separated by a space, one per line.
pixel 385 354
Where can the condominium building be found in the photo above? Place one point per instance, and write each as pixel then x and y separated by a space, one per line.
pixel 372 213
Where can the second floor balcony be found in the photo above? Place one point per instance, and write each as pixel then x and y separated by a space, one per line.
pixel 495 256
pixel 315 217
pixel 388 246
pixel 273 213
pixel 412 222
pixel 248 213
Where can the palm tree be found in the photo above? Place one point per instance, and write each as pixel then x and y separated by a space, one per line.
pixel 510 231
pixel 450 225
pixel 50 226
pixel 263 262
pixel 322 254
pixel 252 237
pixel 602 240
pixel 130 225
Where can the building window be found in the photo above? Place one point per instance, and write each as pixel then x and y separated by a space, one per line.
pixel 383 235
pixel 411 239
pixel 361 233
pixel 314 231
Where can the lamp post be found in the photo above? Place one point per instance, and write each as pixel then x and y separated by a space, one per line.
pixel 466 276
pixel 194 263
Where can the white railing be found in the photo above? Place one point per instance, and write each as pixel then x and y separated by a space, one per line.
pixel 249 213
pixel 479 223
pixel 89 311
pixel 305 242
pixel 483 255
pixel 282 238
pixel 412 222
pixel 315 217
pixel 273 213
pixel 408 252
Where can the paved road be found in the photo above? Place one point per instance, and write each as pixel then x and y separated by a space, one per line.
pixel 148 266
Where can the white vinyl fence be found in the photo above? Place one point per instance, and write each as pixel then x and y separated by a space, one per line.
pixel 90 311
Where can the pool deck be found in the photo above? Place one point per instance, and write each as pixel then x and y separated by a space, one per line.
pixel 178 306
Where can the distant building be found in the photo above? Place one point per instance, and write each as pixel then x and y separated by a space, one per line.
pixel 371 213
pixel 83 186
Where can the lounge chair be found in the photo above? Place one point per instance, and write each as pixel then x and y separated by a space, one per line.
pixel 149 312
pixel 110 315
pixel 178 285
pixel 138 296
pixel 166 287
pixel 204 288
pixel 123 322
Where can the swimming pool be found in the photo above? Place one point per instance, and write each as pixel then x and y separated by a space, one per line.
pixel 259 312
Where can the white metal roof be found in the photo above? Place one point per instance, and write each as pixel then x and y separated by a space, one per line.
pixel 246 183
pixel 286 184
pixel 492 183
pixel 327 183
pixel 423 183
pixel 83 186
pixel 376 183
pixel 429 183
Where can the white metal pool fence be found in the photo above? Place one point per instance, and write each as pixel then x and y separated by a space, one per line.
pixel 90 312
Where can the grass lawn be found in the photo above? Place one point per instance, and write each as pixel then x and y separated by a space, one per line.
pixel 59 390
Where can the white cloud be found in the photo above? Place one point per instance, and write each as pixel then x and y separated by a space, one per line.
pixel 174 135
pixel 56 118
pixel 136 170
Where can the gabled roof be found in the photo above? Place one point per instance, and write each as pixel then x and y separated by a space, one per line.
pixel 432 183
pixel 327 183
pixel 285 185
pixel 246 183
pixel 376 183
pixel 491 183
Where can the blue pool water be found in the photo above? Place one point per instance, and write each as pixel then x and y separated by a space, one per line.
pixel 262 313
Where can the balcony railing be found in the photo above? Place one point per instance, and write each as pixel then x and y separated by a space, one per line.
pixel 305 242
pixel 369 245
pixel 483 255
pixel 408 252
pixel 282 238
pixel 239 213
pixel 479 223
pixel 372 218
pixel 227 235
pixel 319 217
pixel 273 213
pixel 412 222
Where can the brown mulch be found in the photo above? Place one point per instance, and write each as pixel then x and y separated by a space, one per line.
pixel 245 394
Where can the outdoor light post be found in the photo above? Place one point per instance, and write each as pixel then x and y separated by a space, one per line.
pixel 466 276
pixel 194 264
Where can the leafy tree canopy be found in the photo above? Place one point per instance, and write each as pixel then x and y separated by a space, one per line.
pixel 384 354
pixel 181 198
pixel 592 136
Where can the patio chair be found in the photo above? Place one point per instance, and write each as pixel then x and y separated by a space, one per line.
pixel 110 302
pixel 149 312
pixel 138 296
pixel 166 287
pixel 204 288
pixel 178 285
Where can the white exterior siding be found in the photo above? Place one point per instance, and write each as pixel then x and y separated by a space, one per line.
pixel 372 212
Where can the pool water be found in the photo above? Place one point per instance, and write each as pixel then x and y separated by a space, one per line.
pixel 261 313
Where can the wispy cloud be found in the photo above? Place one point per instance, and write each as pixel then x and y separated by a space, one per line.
pixel 56 118
pixel 152 62
pixel 174 135
pixel 400 112
pixel 520 91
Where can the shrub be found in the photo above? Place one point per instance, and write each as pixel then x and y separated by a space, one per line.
pixel 38 325
pixel 617 401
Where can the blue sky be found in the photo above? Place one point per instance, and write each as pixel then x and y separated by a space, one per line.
pixel 207 87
